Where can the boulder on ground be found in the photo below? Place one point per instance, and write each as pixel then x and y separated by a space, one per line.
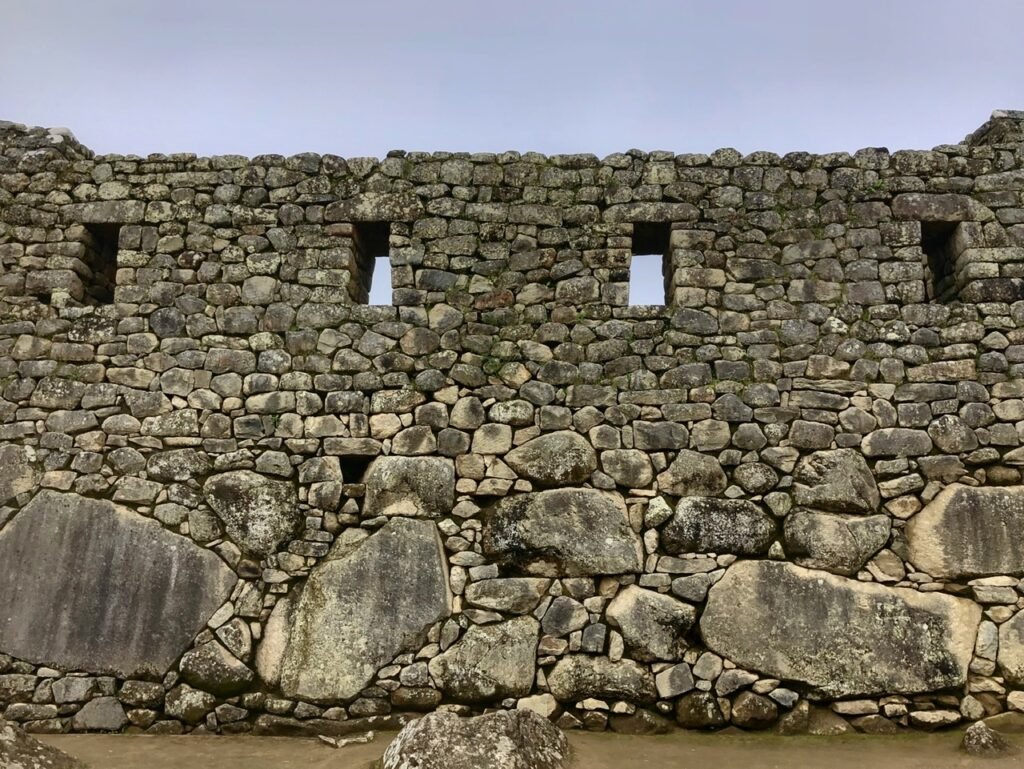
pixel 506 739
pixel 562 458
pixel 419 487
pixel 982 740
pixel 19 751
pixel 563 533
pixel 259 513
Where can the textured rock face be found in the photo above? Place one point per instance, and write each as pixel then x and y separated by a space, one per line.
pixel 19 751
pixel 577 677
pixel 563 533
pixel 259 513
pixel 419 487
pixel 841 544
pixel 213 668
pixel 704 524
pixel 17 471
pixel 653 625
pixel 968 531
pixel 64 607
pixel 839 481
pixel 840 636
pixel 506 739
pixel 491 662
pixel 561 458
pixel 692 474
pixel 1011 649
pixel 369 601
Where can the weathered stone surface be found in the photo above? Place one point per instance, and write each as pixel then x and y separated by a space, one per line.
pixel 103 714
pixel 514 595
pixel 506 739
pixel 699 710
pixel 752 711
pixel 420 487
pixel 1011 649
pixel 18 473
pixel 704 524
pixel 213 668
pixel 369 600
pixel 692 474
pixel 490 662
pixel 64 607
pixel 19 751
pixel 561 458
pixel 838 480
pixel 259 513
pixel 841 544
pixel 563 533
pixel 981 740
pixel 838 635
pixel 896 442
pixel 628 467
pixel 969 531
pixel 577 677
pixel 653 625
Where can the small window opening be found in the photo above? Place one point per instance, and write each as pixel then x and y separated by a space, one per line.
pixel 937 242
pixel 650 271
pixel 101 259
pixel 373 262
pixel 353 467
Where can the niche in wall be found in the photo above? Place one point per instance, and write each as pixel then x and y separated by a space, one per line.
pixel 938 242
pixel 650 268
pixel 101 258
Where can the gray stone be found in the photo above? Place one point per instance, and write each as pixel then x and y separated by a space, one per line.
pixel 259 513
pixel 969 531
pixel 505 739
pixel 490 662
pixel 564 616
pixel 838 635
pixel 561 458
pixel 839 481
pixel 18 473
pixel 188 704
pixel 103 714
pixel 63 608
pixel 19 751
pixel 213 668
pixel 841 544
pixel 563 533
pixel 951 435
pixel 692 474
pixel 366 602
pixel 896 442
pixel 752 711
pixel 982 740
pixel 703 524
pixel 177 465
pixel 513 595
pixel 628 467
pixel 578 677
pixel 1011 649
pixel 653 625
pixel 420 487
pixel 699 710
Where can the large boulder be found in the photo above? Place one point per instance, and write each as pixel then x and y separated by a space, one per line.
pixel 563 533
pixel 562 458
pixel 838 635
pixel 841 544
pixel 693 474
pixel 369 600
pixel 18 471
pixel 505 739
pixel 580 676
pixel 19 751
pixel 711 525
pixel 89 585
pixel 837 480
pixel 652 624
pixel 259 513
pixel 969 531
pixel 490 662
pixel 419 487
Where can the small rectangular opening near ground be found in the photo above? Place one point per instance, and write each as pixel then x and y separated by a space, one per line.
pixel 649 268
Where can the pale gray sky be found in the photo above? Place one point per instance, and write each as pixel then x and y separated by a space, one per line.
pixel 360 78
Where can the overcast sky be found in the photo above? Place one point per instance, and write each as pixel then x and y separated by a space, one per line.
pixel 360 78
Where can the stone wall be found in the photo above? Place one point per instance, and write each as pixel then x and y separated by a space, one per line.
pixel 235 497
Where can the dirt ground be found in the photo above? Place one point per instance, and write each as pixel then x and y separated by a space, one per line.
pixel 591 751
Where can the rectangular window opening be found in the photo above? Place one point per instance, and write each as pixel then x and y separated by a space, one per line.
pixel 373 262
pixel 937 242
pixel 101 259
pixel 650 269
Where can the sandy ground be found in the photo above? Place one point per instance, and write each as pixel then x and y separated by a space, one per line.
pixel 591 751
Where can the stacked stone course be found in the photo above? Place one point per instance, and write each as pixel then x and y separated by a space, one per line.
pixel 234 497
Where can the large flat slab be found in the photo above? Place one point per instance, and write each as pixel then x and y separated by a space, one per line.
pixel 839 635
pixel 89 585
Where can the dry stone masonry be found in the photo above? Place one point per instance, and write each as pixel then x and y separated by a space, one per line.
pixel 236 497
